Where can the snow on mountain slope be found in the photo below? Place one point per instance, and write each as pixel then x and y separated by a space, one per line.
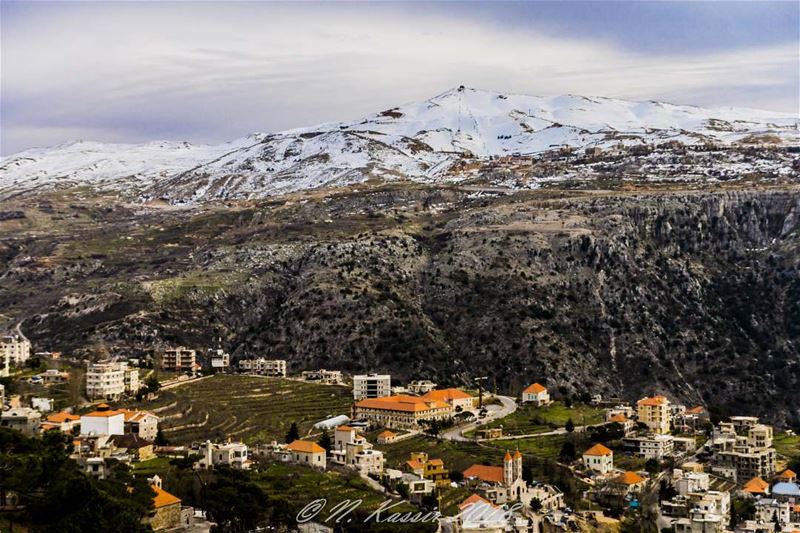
pixel 418 140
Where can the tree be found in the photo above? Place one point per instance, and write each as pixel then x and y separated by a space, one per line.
pixel 293 433
pixel 567 453
pixel 235 502
pixel 56 496
pixel 161 440
pixel 570 427
pixel 325 440
pixel 152 384
pixel 536 505
pixel 652 466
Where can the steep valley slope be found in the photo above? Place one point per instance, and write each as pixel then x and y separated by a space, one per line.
pixel 692 293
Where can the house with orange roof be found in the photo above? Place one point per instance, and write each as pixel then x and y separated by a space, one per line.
pixel 103 421
pixel 787 476
pixel 167 510
pixel 536 394
pixel 627 424
pixel 654 412
pixel 631 482
pixel 599 459
pixel 401 411
pixel 433 469
pixel 457 398
pixel 504 484
pixel 387 437
pixel 306 452
pixel 141 423
pixel 61 421
pixel 756 487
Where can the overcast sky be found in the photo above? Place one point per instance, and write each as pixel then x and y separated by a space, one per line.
pixel 209 72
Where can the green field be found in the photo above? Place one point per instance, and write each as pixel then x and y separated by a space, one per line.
pixel 293 487
pixel 528 419
pixel 787 445
pixel 254 409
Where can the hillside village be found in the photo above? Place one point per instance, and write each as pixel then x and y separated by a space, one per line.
pixel 467 458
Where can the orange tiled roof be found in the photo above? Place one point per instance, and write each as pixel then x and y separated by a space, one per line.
pixel 629 478
pixel 134 416
pixel 756 486
pixel 535 388
pixel 163 498
pixel 344 428
pixel 436 462
pixel 507 457
pixel 697 410
pixel 414 464
pixel 598 450
pixel 653 401
pixel 103 414
pixel 444 395
pixel 787 474
pixel 305 446
pixel 58 418
pixel 619 418
pixel 409 404
pixel 517 455
pixel 472 500
pixel 387 433
pixel 492 474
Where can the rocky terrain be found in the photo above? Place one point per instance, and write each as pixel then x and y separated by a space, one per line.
pixel 690 291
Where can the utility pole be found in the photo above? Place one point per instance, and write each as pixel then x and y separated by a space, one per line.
pixel 480 381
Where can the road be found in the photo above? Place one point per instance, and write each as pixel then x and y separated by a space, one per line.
pixel 507 406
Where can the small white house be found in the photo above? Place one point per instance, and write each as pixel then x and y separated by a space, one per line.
pixel 536 394
pixel 599 459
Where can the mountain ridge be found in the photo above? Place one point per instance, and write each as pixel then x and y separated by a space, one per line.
pixel 421 141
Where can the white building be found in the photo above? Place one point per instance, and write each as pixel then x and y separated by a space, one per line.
pixel 353 450
pixel 421 386
pixel 43 405
pixel 264 367
pixel 371 386
pixel 651 447
pixel 141 423
pixel 111 379
pixel 330 377
pixel 233 454
pixel 5 364
pixel 22 419
pixel 536 394
pixel 219 359
pixel 599 459
pixel 104 421
pixel 16 349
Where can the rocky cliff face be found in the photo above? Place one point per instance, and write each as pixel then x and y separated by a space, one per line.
pixel 692 294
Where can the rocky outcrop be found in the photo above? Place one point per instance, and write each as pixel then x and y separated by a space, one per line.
pixel 691 294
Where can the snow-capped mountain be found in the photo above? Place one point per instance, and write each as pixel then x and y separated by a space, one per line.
pixel 419 141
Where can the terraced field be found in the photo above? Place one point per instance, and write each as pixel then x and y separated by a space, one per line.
pixel 251 408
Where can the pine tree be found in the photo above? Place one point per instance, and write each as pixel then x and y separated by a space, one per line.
pixel 293 434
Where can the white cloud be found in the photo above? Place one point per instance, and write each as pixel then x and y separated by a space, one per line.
pixel 209 72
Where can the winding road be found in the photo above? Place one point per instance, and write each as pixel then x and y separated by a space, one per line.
pixel 507 406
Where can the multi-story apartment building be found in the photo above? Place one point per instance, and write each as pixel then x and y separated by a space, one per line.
pixel 655 413
pixel 143 424
pixel 751 455
pixel 179 359
pixel 371 386
pixel 264 367
pixel 16 349
pixel 111 379
pixel 651 447
pixel 5 364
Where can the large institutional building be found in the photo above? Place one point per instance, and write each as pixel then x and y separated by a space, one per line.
pixel 404 412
